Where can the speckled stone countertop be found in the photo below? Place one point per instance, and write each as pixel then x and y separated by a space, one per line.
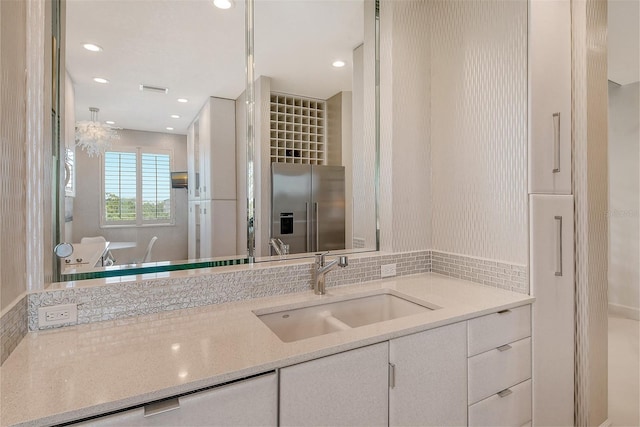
pixel 66 374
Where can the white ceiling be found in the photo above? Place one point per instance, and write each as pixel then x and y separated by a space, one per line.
pixel 624 41
pixel 197 50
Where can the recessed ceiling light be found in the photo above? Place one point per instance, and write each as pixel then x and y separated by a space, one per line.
pixel 175 116
pixel 100 80
pixel 183 100
pixel 169 128
pixel 92 47
pixel 223 4
pixel 339 64
pixel 110 122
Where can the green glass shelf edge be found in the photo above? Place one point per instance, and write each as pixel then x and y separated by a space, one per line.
pixel 150 270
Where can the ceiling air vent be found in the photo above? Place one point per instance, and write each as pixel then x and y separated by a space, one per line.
pixel 154 89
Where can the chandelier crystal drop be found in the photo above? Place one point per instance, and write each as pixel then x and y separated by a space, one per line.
pixel 94 137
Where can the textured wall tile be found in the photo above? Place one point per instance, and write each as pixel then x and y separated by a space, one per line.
pixel 12 150
pixel 479 128
pixel 13 327
pixel 589 134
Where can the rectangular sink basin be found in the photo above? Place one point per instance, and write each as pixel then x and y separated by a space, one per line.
pixel 341 313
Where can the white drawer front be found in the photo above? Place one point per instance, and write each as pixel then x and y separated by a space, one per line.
pixel 498 369
pixel 513 409
pixel 488 332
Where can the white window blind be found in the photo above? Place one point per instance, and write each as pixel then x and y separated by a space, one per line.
pixel 137 188
pixel 156 187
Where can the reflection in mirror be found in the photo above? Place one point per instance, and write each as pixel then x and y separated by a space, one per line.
pixel 174 88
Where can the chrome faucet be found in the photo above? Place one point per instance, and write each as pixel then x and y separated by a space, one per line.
pixel 321 269
pixel 279 246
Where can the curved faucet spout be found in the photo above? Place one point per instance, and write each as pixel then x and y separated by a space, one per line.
pixel 321 269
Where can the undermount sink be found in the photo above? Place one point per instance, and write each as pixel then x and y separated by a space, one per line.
pixel 340 313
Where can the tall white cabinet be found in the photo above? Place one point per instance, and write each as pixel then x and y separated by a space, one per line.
pixel 211 162
pixel 551 212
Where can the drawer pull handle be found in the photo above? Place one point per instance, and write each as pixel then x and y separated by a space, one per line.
pixel 392 375
pixel 504 311
pixel 558 272
pixel 162 406
pixel 504 347
pixel 504 393
pixel 556 142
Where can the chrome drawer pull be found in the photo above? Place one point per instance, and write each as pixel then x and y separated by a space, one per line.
pixel 504 311
pixel 504 393
pixel 504 347
pixel 556 142
pixel 559 247
pixel 392 375
pixel 162 406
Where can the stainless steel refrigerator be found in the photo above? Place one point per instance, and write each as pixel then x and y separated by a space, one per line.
pixel 308 207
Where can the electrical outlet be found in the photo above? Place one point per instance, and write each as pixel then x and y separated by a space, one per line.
pixel 387 270
pixel 57 315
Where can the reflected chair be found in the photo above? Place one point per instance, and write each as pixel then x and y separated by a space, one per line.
pixel 108 259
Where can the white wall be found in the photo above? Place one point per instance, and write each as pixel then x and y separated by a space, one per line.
pixel 172 240
pixel 624 192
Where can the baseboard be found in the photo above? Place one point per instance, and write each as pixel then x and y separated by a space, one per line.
pixel 624 311
pixel 606 423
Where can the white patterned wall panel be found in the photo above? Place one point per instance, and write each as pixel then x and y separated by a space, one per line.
pixel 479 128
pixel 407 147
pixel 589 122
pixel 12 150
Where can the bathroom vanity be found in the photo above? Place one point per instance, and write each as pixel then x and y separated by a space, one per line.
pixel 463 360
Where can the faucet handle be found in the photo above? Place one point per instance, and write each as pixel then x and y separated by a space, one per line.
pixel 320 258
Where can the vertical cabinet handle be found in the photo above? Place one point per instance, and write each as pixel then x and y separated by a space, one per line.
pixel 556 142
pixel 308 242
pixel 558 246
pixel 317 226
pixel 392 375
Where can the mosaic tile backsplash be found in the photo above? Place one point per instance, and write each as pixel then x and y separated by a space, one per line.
pixel 147 296
pixel 13 327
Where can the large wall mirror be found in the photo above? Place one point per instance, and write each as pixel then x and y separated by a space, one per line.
pixel 155 132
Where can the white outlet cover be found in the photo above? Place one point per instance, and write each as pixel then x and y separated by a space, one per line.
pixel 388 270
pixel 72 309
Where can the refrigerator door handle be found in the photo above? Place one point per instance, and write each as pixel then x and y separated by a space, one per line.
pixel 308 231
pixel 317 228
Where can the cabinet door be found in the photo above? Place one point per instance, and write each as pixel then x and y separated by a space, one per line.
pixel 346 389
pixel 430 372
pixel 552 284
pixel 252 402
pixel 550 96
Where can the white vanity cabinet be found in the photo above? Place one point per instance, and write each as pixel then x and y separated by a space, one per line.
pixel 552 284
pixel 345 389
pixel 250 402
pixel 550 96
pixel 428 378
pixel 499 368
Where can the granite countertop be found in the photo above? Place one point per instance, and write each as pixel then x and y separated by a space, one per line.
pixel 65 374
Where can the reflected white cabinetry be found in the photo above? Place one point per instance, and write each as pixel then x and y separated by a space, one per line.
pixel 428 375
pixel 552 284
pixel 550 96
pixel 211 162
pixel 348 389
pixel 251 402
pixel 499 368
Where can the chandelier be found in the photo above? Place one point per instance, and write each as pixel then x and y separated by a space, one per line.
pixel 94 137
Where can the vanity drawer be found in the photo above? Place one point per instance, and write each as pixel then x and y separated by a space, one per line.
pixel 512 407
pixel 491 331
pixel 498 369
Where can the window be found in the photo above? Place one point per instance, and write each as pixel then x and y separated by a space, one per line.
pixel 137 187
pixel 70 172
